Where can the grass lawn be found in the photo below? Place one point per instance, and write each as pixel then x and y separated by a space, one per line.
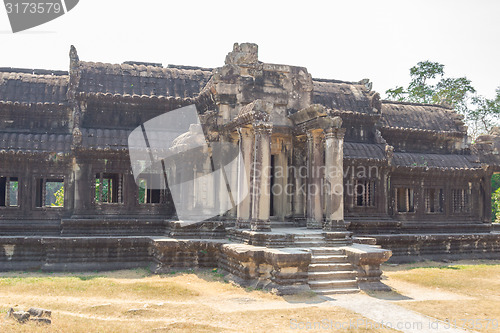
pixel 202 301
pixel 477 282
pixel 137 301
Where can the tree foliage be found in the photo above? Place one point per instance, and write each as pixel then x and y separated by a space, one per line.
pixel 428 84
pixel 486 114
pixel 59 198
pixel 495 198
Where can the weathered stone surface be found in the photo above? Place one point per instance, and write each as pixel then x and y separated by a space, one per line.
pixel 283 270
pixel 21 316
pixel 409 247
pixel 36 315
pixel 166 253
pixel 45 321
pixel 367 260
pixel 37 312
pixel 428 195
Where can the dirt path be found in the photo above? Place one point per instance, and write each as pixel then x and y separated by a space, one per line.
pixel 212 306
pixel 404 291
pixel 390 315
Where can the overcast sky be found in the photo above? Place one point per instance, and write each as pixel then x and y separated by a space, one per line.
pixel 345 40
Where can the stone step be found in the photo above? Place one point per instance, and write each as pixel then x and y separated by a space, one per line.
pixel 308 244
pixel 327 267
pixel 309 238
pixel 365 240
pixel 337 291
pixel 310 233
pixel 326 251
pixel 332 275
pixel 317 242
pixel 279 224
pixel 333 284
pixel 328 258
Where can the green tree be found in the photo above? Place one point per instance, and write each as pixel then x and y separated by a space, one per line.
pixel 106 184
pixel 428 84
pixel 59 194
pixel 486 114
pixel 495 198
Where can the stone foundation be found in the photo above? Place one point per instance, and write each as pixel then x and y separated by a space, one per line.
pixel 283 270
pixel 117 227
pixel 73 253
pixel 418 247
pixel 168 253
pixel 367 260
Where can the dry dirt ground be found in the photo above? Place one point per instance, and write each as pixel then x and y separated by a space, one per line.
pixel 136 301
pixel 202 301
pixel 465 293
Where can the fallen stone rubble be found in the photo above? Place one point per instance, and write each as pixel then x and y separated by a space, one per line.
pixel 41 316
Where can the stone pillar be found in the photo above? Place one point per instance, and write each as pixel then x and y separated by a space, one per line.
pixel 300 178
pixel 234 180
pixel 244 197
pixel 315 166
pixel 82 182
pixel 280 181
pixel 289 184
pixel 261 177
pixel 483 198
pixel 222 177
pixel 334 168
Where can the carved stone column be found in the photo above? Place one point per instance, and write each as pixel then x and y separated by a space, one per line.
pixel 334 167
pixel 261 195
pixel 234 178
pixel 223 175
pixel 300 176
pixel 82 181
pixel 280 182
pixel 244 198
pixel 314 186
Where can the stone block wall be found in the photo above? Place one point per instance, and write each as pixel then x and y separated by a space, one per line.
pixel 284 270
pixel 418 247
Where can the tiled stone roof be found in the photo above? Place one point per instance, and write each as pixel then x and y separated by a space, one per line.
pixel 138 79
pixel 342 96
pixel 105 139
pixel 420 117
pixel 34 143
pixel 354 150
pixel 437 161
pixel 33 86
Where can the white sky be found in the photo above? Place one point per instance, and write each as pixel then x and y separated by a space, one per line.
pixel 346 40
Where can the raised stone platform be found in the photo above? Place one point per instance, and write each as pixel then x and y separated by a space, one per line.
pixel 370 225
pixel 100 226
pixel 284 270
pixel 27 227
pixel 73 253
pixel 418 247
pixel 291 237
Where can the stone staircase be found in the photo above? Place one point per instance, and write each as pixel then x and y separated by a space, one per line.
pixel 331 273
pixel 309 240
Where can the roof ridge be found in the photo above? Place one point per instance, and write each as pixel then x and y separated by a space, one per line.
pixel 386 101
pixel 437 154
pixel 34 71
pixel 335 81
pixel 152 66
pixel 194 68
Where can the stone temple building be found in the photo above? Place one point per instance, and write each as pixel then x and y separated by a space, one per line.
pixel 327 172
